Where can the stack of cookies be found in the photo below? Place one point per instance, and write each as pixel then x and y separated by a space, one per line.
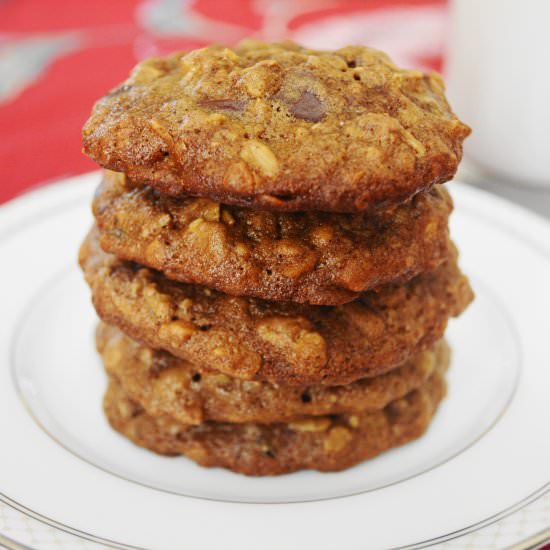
pixel 271 258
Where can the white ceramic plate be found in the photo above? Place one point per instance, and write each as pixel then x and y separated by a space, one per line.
pixel 486 454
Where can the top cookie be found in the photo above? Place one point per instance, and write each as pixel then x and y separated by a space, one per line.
pixel 279 127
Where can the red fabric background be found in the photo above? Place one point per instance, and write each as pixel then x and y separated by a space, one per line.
pixel 40 124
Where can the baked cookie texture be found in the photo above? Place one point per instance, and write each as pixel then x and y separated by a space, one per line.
pixel 279 127
pixel 166 385
pixel 325 443
pixel 309 257
pixel 279 342
pixel 271 259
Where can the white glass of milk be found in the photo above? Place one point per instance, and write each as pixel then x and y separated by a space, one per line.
pixel 498 79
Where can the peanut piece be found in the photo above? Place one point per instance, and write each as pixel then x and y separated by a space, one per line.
pixel 337 439
pixel 310 425
pixel 261 157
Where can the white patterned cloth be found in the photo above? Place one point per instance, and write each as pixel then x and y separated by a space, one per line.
pixel 508 531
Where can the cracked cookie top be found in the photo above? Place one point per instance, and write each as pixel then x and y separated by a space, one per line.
pixel 279 127
pixel 279 342
pixel 308 257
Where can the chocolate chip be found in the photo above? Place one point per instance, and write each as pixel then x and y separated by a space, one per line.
pixel 284 198
pixel 308 107
pixel 223 104
pixel 196 377
pixel 305 397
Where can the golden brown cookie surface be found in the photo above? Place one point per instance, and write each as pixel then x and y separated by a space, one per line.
pixel 164 384
pixel 320 443
pixel 279 342
pixel 308 257
pixel 279 127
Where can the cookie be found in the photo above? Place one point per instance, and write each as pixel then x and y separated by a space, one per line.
pixel 279 127
pixel 164 384
pixel 280 342
pixel 325 443
pixel 309 257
